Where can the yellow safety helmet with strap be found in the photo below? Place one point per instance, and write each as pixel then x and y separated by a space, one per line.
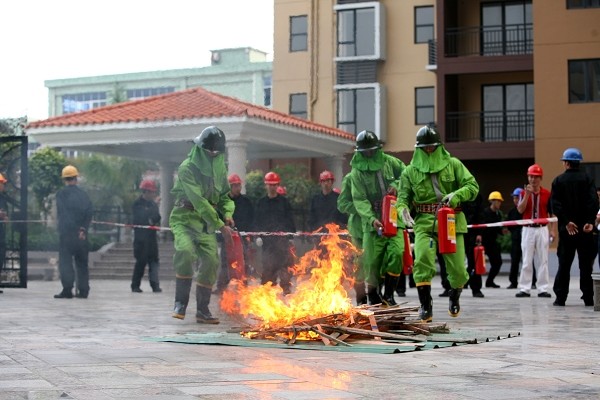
pixel 69 172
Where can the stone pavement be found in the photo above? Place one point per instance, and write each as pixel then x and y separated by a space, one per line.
pixel 94 349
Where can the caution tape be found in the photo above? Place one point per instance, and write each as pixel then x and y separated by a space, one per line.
pixel 516 222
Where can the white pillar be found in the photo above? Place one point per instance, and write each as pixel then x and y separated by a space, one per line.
pixel 166 173
pixel 336 165
pixel 237 158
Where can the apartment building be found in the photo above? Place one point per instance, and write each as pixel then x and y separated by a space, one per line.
pixel 507 83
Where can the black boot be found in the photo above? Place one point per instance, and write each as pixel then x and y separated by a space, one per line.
pixel 389 285
pixel 426 310
pixel 373 295
pixel 182 296
pixel 454 306
pixel 203 315
pixel 361 294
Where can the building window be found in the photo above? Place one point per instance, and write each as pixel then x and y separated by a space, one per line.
pixel 424 106
pixel 298 33
pixel 424 24
pixel 584 81
pixel 138 94
pixel 267 85
pixel 507 112
pixel 583 3
pixel 359 31
pixel 82 101
pixel 359 107
pixel 507 28
pixel 298 105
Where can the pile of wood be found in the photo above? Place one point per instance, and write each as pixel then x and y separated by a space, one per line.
pixel 398 324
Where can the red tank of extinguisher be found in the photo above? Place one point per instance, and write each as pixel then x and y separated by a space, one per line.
pixel 407 258
pixel 389 216
pixel 479 254
pixel 446 220
pixel 235 257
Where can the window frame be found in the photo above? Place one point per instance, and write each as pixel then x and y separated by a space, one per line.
pixel 588 78
pixel 379 116
pixel 299 34
pixel 378 23
pixel 585 4
pixel 420 107
pixel 297 113
pixel 417 25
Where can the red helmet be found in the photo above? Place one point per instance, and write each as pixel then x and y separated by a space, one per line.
pixel 271 178
pixel 281 190
pixel 234 178
pixel 148 185
pixel 326 175
pixel 535 170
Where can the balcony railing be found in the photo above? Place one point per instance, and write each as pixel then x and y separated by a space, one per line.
pixel 490 126
pixel 489 40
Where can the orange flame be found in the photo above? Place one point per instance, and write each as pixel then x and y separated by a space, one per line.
pixel 319 290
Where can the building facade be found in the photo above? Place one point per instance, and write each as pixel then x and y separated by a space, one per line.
pixel 507 83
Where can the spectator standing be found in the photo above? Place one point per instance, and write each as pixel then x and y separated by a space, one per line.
pixel 200 194
pixel 3 222
pixel 433 177
pixel 323 206
pixel 515 243
pixel 473 211
pixel 74 211
pixel 145 244
pixel 374 175
pixel 244 218
pixel 489 236
pixel 575 204
pixel 598 226
pixel 535 203
pixel 274 214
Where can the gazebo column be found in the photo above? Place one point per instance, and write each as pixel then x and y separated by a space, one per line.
pixel 167 170
pixel 237 158
pixel 336 165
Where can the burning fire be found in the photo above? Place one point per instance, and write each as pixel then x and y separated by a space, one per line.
pixel 319 289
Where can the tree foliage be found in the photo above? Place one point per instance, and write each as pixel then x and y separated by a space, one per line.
pixel 45 166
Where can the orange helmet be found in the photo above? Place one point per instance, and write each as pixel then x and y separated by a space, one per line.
pixel 271 178
pixel 326 175
pixel 148 185
pixel 3 179
pixel 234 178
pixel 69 172
pixel 535 170
pixel 281 190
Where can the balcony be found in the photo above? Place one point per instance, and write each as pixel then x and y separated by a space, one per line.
pixel 490 126
pixel 499 40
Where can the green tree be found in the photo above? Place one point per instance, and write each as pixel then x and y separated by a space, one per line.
pixel 45 166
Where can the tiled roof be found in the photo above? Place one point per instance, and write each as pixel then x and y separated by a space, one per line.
pixel 182 105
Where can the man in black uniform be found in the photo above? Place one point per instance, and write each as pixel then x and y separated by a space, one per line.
pixel 243 217
pixel 323 206
pixel 274 214
pixel 3 221
pixel 473 211
pixel 74 212
pixel 575 204
pixel 492 214
pixel 145 244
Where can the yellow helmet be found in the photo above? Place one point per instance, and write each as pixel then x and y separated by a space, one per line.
pixel 495 196
pixel 3 179
pixel 69 172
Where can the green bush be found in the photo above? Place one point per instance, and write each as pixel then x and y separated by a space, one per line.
pixel 43 238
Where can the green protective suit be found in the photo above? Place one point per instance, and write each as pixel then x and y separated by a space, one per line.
pixel 345 205
pixel 382 255
pixel 201 181
pixel 417 188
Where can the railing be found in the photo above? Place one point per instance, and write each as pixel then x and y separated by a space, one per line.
pixel 490 126
pixel 432 52
pixel 489 40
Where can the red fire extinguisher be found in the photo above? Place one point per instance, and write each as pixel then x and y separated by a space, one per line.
pixel 235 257
pixel 446 220
pixel 479 253
pixel 389 216
pixel 407 259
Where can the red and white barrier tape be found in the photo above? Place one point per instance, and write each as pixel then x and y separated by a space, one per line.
pixel 517 222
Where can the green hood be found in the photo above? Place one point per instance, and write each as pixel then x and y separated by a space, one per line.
pixel 210 166
pixel 430 163
pixel 362 163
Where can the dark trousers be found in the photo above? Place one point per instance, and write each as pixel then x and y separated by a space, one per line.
pixel 515 259
pixel 492 250
pixel 276 260
pixel 145 253
pixel 475 281
pixel 73 250
pixel 583 244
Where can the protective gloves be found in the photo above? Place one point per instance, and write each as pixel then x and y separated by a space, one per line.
pixel 406 218
pixel 450 199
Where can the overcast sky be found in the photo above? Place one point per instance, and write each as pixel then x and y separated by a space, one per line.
pixel 53 39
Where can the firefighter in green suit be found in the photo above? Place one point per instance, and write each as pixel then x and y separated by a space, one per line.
pixel 375 174
pixel 200 194
pixel 435 177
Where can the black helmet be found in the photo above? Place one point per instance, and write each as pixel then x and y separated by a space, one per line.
pixel 427 136
pixel 367 140
pixel 211 138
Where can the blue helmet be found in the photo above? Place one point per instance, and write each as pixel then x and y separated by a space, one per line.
pixel 517 192
pixel 572 154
